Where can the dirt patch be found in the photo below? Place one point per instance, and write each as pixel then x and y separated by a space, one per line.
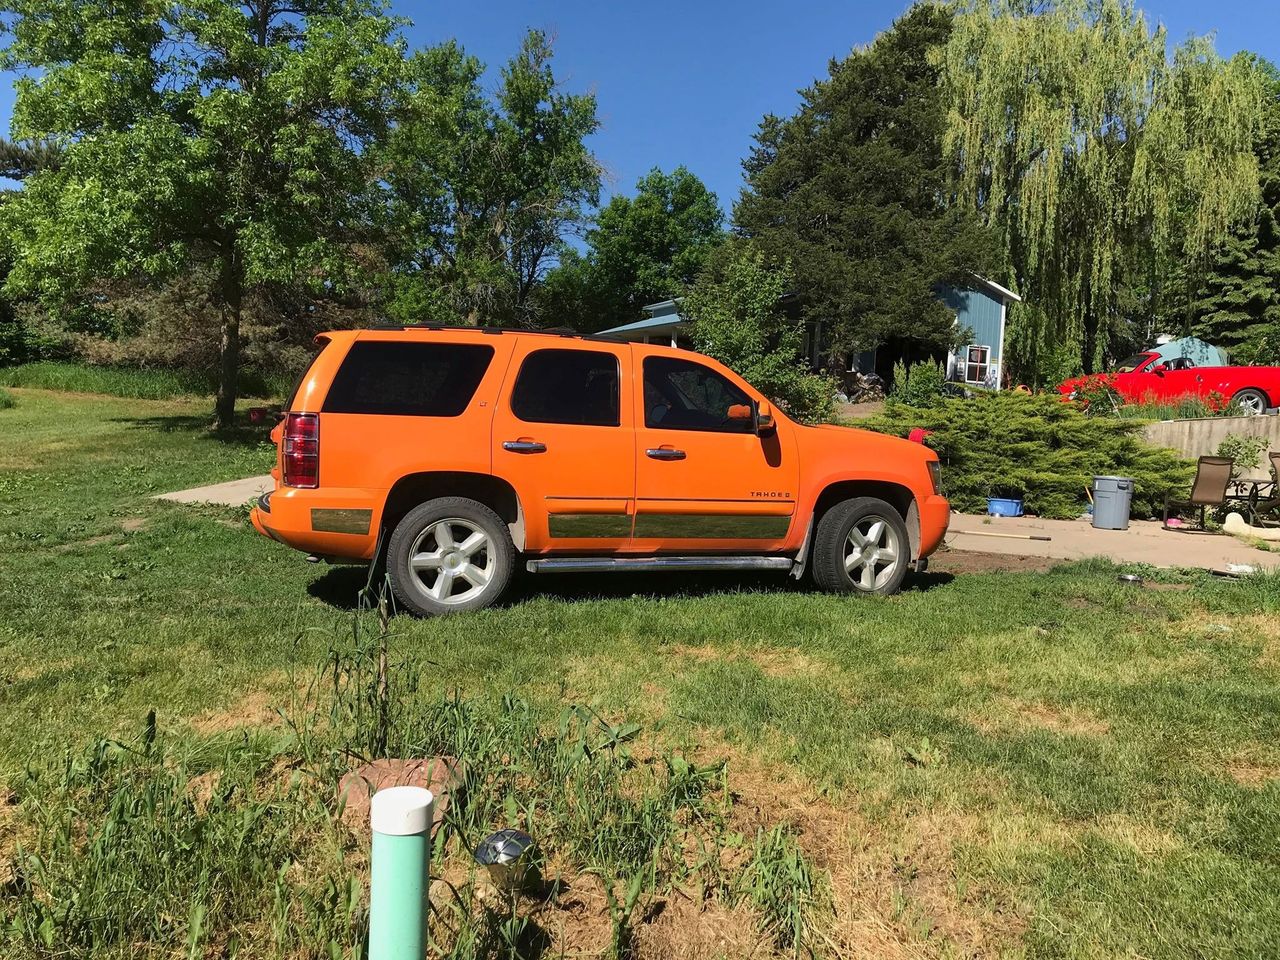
pixel 1249 774
pixel 255 709
pixel 893 886
pixel 682 929
pixel 201 788
pixel 133 524
pixel 74 545
pixel 1011 712
pixel 1259 628
pixel 959 562
pixel 773 662
pixel 9 836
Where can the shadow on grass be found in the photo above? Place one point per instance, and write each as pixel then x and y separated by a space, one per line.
pixel 242 433
pixel 340 586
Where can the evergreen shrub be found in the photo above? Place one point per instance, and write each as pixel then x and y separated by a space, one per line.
pixel 1037 448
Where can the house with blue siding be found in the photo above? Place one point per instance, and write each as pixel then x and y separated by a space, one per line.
pixel 980 308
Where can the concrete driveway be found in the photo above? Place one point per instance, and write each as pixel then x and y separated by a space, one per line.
pixel 1146 541
pixel 230 494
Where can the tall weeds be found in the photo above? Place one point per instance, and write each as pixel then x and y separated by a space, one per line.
pixel 234 845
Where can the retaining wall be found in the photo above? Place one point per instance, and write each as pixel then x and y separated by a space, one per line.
pixel 1200 438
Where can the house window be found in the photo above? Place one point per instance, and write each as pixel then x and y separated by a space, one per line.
pixel 977 364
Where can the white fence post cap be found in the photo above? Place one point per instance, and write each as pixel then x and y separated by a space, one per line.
pixel 401 811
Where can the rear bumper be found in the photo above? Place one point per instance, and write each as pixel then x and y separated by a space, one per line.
pixel 328 522
pixel 935 518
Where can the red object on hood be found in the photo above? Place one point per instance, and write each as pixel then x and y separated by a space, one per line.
pixel 918 434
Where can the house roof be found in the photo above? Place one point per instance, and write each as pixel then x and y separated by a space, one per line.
pixel 1008 296
pixel 663 307
pixel 665 323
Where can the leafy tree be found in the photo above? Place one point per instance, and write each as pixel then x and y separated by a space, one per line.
pixel 1099 158
pixel 227 137
pixel 642 249
pixel 1237 304
pixel 737 318
pixel 18 161
pixel 480 194
pixel 854 190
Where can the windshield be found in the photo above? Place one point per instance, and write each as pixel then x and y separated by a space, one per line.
pixel 1130 364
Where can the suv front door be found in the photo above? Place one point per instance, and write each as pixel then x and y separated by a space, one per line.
pixel 563 437
pixel 704 480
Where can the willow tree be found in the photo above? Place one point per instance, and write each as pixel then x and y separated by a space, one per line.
pixel 1100 157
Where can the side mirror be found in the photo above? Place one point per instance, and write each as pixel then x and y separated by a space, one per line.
pixel 1159 370
pixel 764 417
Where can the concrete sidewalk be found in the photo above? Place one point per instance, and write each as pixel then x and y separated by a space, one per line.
pixel 230 494
pixel 1146 541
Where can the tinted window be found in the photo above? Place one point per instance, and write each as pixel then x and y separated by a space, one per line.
pixel 408 379
pixel 567 386
pixel 682 395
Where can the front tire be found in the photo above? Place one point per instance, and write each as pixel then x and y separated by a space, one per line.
pixel 1252 402
pixel 861 546
pixel 449 555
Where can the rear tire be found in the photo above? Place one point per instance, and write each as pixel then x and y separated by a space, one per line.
pixel 449 555
pixel 1251 401
pixel 861 546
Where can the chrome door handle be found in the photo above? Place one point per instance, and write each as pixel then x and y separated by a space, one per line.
pixel 664 453
pixel 524 446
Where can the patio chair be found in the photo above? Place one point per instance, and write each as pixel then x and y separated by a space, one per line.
pixel 1213 474
pixel 1264 511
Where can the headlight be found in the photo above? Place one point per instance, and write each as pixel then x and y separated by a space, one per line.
pixel 935 474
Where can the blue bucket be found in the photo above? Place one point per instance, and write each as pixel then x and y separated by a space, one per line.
pixel 1004 507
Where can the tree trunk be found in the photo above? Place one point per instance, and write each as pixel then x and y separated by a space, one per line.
pixel 229 347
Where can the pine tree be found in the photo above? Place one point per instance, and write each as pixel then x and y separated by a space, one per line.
pixel 1237 305
pixel 853 191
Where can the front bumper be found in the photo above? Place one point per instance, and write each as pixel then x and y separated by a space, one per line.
pixel 935 518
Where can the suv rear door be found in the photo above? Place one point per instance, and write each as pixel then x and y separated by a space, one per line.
pixel 564 437
pixel 706 481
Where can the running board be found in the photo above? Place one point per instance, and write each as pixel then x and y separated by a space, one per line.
pixel 657 564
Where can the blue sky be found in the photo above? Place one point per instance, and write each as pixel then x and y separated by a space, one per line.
pixel 688 82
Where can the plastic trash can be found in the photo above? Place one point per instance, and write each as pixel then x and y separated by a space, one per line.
pixel 1111 497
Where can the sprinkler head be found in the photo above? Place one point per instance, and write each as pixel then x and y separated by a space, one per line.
pixel 507 855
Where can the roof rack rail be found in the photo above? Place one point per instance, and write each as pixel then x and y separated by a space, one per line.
pixel 567 332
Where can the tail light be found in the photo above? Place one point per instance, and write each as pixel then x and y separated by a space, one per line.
pixel 301 459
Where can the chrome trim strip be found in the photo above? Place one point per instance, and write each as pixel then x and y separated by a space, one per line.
pixel 613 526
pixel 710 526
pixel 341 521
pixel 640 564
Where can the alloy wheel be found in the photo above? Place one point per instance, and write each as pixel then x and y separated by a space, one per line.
pixel 1252 404
pixel 452 560
pixel 872 553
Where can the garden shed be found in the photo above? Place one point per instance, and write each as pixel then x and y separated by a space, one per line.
pixel 981 307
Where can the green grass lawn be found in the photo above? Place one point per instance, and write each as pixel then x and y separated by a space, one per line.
pixel 1043 764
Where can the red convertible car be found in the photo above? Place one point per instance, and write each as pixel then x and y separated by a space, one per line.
pixel 1149 378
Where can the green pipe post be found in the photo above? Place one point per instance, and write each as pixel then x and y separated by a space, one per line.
pixel 401 821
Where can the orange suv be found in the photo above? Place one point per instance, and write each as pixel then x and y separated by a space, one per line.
pixel 462 451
